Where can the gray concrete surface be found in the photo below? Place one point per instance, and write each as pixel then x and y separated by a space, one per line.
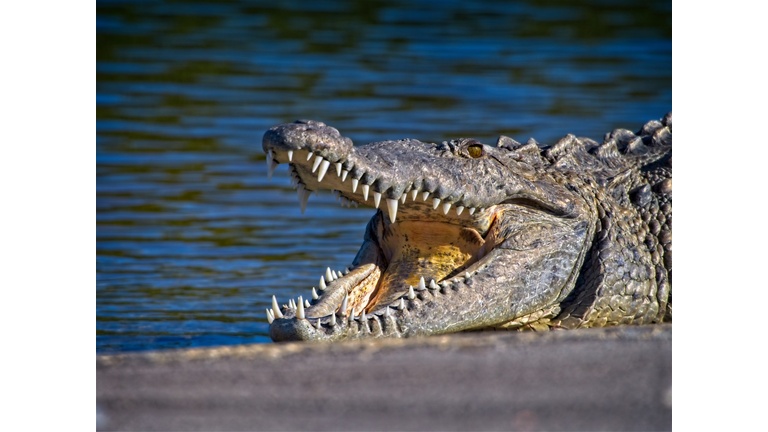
pixel 591 379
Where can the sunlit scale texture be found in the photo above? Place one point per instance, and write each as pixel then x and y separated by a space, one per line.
pixel 192 240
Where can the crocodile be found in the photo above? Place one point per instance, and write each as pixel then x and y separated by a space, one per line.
pixel 475 237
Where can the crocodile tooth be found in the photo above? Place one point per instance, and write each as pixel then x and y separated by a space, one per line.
pixel 306 303
pixel 387 312
pixel 290 155
pixel 314 294
pixel 467 275
pixel 337 194
pixel 414 193
pixel 376 199
pixel 362 316
pixel 319 325
pixel 401 306
pixel 411 294
pixel 328 275
pixel 446 207
pixel 270 318
pixel 402 198
pixel 366 189
pixel 322 286
pixel 392 205
pixel 337 275
pixel 344 202
pixel 300 310
pixel 459 209
pixel 309 156
pixel 323 169
pixel 275 308
pixel 333 319
pixel 421 286
pixel 344 175
pixel 472 210
pixel 318 160
pixel 269 157
pixel 290 304
pixel 445 284
pixel 432 284
pixel 351 318
pixel 424 196
pixel 354 185
pixel 346 271
pixel 304 198
pixel 338 169
pixel 435 203
pixel 344 302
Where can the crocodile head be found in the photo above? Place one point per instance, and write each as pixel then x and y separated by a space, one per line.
pixel 465 236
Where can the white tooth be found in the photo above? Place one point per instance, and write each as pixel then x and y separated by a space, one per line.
pixel 424 196
pixel 471 210
pixel 413 194
pixel 402 198
pixel 354 185
pixel 432 284
pixel 316 164
pixel 271 169
pixel 290 155
pixel 270 318
pixel 362 316
pixel 392 205
pixel 446 207
pixel 337 194
pixel 481 209
pixel 422 286
pixel 459 209
pixel 290 304
pixel 435 203
pixel 275 309
pixel 376 199
pixel 445 284
pixel 304 199
pixel 333 319
pixel 401 306
pixel 344 202
pixel 314 294
pixel 328 275
pixel 300 309
pixel 309 156
pixel 344 175
pixel 467 275
pixel 351 317
pixel 346 271
pixel 366 188
pixel 323 169
pixel 319 325
pixel 338 169
pixel 306 303
pixel 337 274
pixel 411 294
pixel 322 285
pixel 343 308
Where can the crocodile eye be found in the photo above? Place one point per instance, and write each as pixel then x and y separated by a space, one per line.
pixel 475 150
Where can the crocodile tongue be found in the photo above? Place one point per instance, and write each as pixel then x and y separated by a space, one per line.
pixel 428 249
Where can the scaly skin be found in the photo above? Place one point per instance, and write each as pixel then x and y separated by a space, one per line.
pixel 514 236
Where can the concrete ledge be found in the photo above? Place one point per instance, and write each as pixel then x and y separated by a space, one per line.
pixel 590 379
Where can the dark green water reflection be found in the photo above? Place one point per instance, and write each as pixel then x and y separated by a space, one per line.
pixel 192 240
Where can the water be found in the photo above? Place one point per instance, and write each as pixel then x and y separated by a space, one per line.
pixel 192 240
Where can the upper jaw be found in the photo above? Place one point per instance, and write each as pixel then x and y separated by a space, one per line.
pixel 442 185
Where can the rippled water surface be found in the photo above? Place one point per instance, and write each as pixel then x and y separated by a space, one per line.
pixel 192 240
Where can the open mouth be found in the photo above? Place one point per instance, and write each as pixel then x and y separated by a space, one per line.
pixel 420 244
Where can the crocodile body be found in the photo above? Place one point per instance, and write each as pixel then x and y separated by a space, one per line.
pixel 471 236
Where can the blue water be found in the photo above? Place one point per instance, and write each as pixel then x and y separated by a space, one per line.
pixel 192 240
